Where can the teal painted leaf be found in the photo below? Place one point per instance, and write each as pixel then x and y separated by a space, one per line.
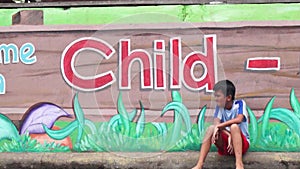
pixel 124 115
pixel 161 128
pixel 114 122
pixel 140 126
pixel 79 135
pixel 176 131
pixel 253 130
pixel 132 115
pixel 78 110
pixel 286 116
pixel 295 103
pixel 7 129
pixel 201 118
pixel 181 110
pixel 62 133
pixel 79 117
pixel 176 97
pixel 183 114
pixel 266 116
pixel 91 126
pixel 116 119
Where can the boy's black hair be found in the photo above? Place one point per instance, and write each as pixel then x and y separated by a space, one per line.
pixel 227 88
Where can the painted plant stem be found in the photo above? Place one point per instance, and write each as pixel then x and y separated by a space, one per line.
pixel 201 118
pixel 78 124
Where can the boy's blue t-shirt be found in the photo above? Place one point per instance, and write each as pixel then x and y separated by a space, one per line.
pixel 238 107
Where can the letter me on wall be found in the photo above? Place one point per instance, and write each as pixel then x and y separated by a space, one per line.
pixel 152 72
pixel 9 53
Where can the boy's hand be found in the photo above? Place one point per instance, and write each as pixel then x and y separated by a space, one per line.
pixel 215 135
pixel 229 147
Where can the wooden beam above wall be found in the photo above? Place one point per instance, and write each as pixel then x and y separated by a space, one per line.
pixel 81 3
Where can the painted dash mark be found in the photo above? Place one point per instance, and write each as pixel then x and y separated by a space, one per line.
pixel 263 63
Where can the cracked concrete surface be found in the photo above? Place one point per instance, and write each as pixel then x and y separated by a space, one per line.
pixel 162 160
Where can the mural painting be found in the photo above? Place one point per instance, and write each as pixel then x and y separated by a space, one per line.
pixel 46 76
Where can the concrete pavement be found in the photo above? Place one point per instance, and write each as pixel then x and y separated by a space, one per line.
pixel 162 160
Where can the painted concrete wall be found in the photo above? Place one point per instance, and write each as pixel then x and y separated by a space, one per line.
pixel 53 87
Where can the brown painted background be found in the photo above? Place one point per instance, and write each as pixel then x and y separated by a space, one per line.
pixel 236 42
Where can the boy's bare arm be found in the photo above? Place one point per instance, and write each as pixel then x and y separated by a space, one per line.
pixel 216 121
pixel 236 120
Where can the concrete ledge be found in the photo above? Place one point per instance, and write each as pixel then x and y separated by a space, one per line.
pixel 174 160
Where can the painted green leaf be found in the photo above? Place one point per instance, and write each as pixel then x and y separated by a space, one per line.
pixel 176 97
pixel 91 126
pixel 176 131
pixel 253 130
pixel 79 134
pixel 62 133
pixel 78 110
pixel 124 115
pixel 295 103
pixel 132 114
pixel 114 122
pixel 200 122
pixel 286 116
pixel 140 126
pixel 7 129
pixel 79 117
pixel 266 116
pixel 116 119
pixel 181 110
pixel 161 128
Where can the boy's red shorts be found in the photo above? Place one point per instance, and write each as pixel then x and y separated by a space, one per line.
pixel 223 150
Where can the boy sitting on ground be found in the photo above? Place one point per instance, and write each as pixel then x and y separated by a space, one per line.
pixel 230 130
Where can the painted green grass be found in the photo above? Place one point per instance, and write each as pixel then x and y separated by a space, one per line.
pixel 279 139
pixel 121 133
pixel 27 144
pixel 164 14
pixel 150 141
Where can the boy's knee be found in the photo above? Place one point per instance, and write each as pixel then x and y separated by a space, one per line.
pixel 210 129
pixel 234 127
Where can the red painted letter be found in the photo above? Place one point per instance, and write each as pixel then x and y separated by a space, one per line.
pixel 208 60
pixel 126 59
pixel 91 83
pixel 175 63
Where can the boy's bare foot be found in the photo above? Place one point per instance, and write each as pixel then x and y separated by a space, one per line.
pixel 239 166
pixel 197 167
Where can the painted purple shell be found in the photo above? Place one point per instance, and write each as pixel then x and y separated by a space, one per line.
pixel 41 113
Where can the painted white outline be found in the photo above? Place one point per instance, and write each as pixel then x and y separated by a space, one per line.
pixel 87 77
pixel 204 53
pixel 130 64
pixel 180 64
pixel 163 55
pixel 6 48
pixel 204 72
pixel 31 57
pixel 163 46
pixel 263 58
pixel 4 84
pixel 164 74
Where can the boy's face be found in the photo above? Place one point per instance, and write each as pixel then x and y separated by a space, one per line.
pixel 220 98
